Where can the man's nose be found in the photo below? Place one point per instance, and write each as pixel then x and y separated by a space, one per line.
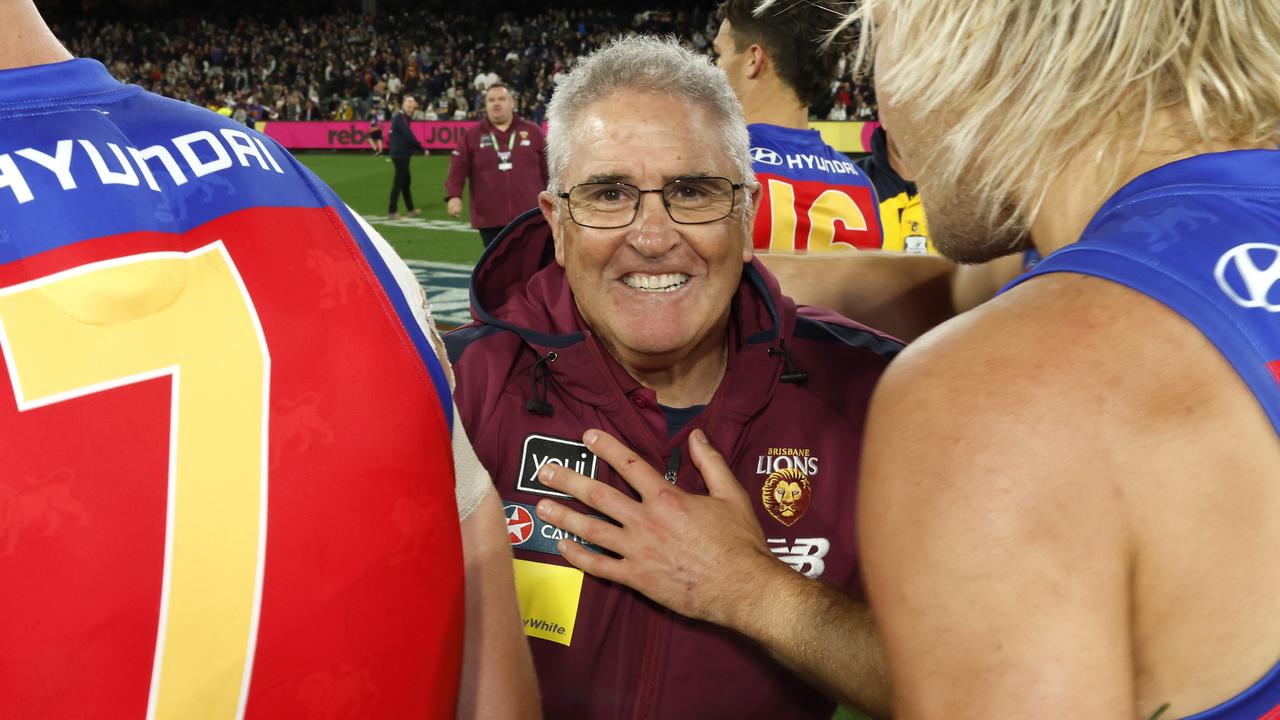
pixel 654 229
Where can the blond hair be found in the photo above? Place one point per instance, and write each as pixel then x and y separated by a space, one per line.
pixel 1026 84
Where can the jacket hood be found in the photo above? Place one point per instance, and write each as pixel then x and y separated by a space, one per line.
pixel 518 286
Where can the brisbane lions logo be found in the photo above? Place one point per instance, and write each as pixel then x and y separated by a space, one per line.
pixel 786 495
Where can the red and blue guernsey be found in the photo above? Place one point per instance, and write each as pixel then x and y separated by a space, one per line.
pixel 1202 236
pixel 226 483
pixel 813 199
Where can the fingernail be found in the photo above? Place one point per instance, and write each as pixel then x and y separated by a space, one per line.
pixel 698 436
pixel 547 472
pixel 591 437
pixel 545 509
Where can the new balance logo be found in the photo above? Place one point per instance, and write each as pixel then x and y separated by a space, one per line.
pixel 805 556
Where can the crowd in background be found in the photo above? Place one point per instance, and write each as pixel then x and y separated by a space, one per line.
pixel 353 67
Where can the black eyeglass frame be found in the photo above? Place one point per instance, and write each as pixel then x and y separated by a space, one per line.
pixel 635 210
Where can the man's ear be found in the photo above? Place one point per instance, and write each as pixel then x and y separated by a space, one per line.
pixel 756 60
pixel 547 204
pixel 748 242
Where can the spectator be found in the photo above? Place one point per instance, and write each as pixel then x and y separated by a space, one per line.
pixel 339 54
pixel 484 80
pixel 504 160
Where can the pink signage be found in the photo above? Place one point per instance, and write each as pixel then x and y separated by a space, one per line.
pixel 443 135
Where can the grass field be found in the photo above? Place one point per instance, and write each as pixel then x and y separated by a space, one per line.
pixel 364 182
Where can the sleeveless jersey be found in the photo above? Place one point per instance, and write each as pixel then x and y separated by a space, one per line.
pixel 1202 236
pixel 813 199
pixel 226 483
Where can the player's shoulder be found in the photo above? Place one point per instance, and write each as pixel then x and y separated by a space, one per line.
pixel 1075 362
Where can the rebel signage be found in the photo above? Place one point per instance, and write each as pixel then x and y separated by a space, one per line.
pixel 539 450
pixel 437 135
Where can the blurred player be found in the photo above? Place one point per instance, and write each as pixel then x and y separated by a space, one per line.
pixel 375 136
pixel 227 475
pixel 814 200
pixel 901 211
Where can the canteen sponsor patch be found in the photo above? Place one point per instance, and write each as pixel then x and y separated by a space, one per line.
pixel 540 450
pixel 525 530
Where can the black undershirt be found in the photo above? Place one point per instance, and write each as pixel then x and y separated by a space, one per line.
pixel 677 418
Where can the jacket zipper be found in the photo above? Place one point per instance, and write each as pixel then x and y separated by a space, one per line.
pixel 655 646
pixel 673 465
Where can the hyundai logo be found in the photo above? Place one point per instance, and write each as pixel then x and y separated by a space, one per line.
pixel 765 156
pixel 1249 273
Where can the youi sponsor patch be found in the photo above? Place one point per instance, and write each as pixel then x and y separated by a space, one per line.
pixel 542 449
pixel 526 531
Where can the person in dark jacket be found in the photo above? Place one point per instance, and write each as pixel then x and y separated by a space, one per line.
pixel 648 318
pixel 403 147
pixel 505 159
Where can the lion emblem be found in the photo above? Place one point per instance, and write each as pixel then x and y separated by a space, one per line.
pixel 786 494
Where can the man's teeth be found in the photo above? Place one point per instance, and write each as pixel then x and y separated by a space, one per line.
pixel 666 282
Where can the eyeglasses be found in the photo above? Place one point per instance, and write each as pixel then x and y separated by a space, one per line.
pixel 689 201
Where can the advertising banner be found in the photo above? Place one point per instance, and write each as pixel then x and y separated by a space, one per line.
pixel 442 135
pixel 848 137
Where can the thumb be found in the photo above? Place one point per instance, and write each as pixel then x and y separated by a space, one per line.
pixel 715 471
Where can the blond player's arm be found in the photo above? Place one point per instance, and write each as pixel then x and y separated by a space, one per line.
pixel 899 294
pixel 497 668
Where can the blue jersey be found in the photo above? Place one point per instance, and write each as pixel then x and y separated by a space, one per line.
pixel 1202 236
pixel 813 199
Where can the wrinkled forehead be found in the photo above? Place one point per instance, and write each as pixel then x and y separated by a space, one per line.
pixel 631 134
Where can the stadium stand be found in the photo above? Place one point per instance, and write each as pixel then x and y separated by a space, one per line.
pixel 354 67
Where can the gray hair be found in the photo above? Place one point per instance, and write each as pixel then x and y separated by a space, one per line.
pixel 647 64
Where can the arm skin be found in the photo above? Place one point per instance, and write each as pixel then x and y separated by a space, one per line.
pixel 902 295
pixel 497 669
pixel 998 560
pixel 734 581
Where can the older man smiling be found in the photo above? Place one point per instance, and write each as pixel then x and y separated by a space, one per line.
pixel 631 302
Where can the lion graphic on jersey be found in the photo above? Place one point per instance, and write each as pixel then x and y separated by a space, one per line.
pixel 786 494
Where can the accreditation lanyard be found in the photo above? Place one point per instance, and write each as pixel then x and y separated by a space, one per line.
pixel 504 158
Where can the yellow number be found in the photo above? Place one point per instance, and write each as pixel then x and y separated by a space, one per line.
pixel 188 316
pixel 782 208
pixel 830 207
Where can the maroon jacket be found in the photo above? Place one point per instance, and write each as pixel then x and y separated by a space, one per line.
pixel 498 196
pixel 788 417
